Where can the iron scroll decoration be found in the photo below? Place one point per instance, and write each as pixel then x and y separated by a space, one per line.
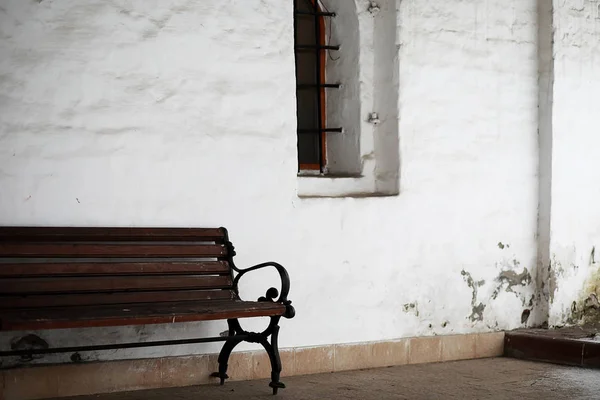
pixel 272 292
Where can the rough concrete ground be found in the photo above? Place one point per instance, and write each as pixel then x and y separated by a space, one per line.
pixel 498 378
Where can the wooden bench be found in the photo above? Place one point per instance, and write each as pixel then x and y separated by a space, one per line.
pixel 53 278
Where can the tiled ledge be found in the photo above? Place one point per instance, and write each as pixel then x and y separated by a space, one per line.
pixel 115 376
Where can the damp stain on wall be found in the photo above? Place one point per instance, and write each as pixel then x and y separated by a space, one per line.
pixel 476 309
pixel 585 310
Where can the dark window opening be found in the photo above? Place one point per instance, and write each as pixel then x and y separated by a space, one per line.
pixel 310 51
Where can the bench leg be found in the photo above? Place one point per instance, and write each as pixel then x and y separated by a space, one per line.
pixel 273 352
pixel 238 335
pixel 224 358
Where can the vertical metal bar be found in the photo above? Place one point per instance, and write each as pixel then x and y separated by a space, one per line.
pixel 318 64
pixel 296 62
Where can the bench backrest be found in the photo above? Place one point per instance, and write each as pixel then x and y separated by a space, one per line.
pixel 56 267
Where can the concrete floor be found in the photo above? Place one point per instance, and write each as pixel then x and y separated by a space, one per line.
pixel 499 378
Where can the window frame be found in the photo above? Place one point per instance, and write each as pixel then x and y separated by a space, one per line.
pixel 320 48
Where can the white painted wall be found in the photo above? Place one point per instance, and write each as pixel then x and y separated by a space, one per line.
pixel 182 113
pixel 343 106
pixel 575 222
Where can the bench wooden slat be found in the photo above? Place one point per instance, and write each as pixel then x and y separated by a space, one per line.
pixel 84 234
pixel 112 268
pixel 90 299
pixel 110 250
pixel 111 284
pixel 138 314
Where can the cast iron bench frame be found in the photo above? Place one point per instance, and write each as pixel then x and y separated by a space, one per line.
pixel 117 257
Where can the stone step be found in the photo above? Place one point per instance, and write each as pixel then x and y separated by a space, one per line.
pixel 575 346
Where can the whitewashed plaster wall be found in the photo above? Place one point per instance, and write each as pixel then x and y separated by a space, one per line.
pixel 182 113
pixel 575 216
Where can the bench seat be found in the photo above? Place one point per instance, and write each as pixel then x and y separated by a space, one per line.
pixel 135 314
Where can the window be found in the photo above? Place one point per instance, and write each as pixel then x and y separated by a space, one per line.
pixel 347 70
pixel 311 57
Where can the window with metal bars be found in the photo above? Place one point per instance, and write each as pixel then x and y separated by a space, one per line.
pixel 310 50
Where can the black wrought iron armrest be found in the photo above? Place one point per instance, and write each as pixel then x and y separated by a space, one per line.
pixel 272 293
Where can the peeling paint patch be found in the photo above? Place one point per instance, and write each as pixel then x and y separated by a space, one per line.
pixel 592 301
pixel 476 309
pixel 477 312
pixel 512 279
pixel 411 308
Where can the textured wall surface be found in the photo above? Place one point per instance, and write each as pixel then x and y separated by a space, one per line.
pixel 182 113
pixel 575 222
